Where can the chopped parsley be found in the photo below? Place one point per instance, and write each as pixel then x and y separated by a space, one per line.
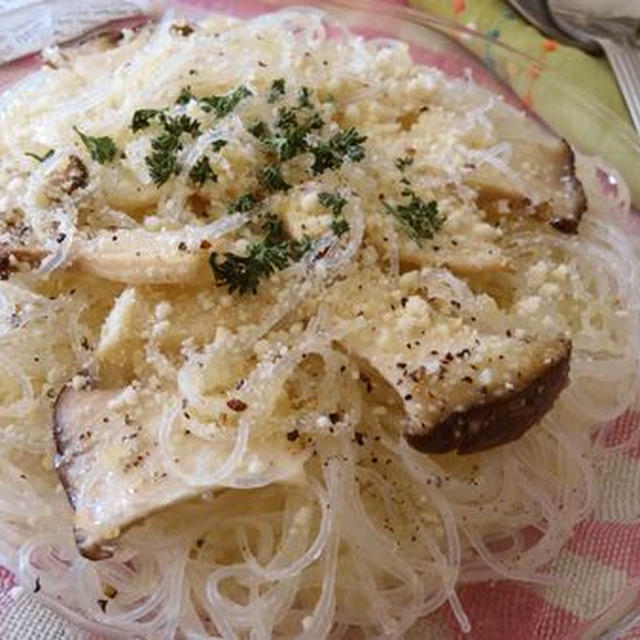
pixel 420 219
pixel 163 161
pixel 259 130
pixel 333 201
pixel 292 142
pixel 332 153
pixel 185 96
pixel 162 165
pixel 304 96
pixel 298 248
pixel 274 252
pixel 243 273
pixel 277 90
pixel 101 149
pixel 166 143
pixel 403 163
pixel 289 146
pixel 340 226
pixel 290 137
pixel 287 119
pixel 270 177
pixel 142 118
pixel 41 158
pixel 243 204
pixel 273 229
pixel 202 171
pixel 224 105
pixel 180 124
pixel 216 145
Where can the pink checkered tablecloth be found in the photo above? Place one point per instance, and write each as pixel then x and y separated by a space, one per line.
pixel 602 560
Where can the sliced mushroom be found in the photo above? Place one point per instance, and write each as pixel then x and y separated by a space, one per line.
pixel 539 177
pixel 139 257
pixel 109 464
pixel 462 388
pixel 466 257
pixel 132 256
pixel 115 474
pixel 484 416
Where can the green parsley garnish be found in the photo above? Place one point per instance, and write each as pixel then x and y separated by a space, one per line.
pixel 216 145
pixel 224 105
pixel 180 124
pixel 277 90
pixel 166 143
pixel 270 177
pixel 299 248
pixel 273 229
pixel 185 96
pixel 142 118
pixel 163 161
pixel 202 171
pixel 333 201
pixel 243 204
pixel 340 226
pixel 101 149
pixel 304 96
pixel 272 253
pixel 162 165
pixel 332 153
pixel 259 130
pixel 420 219
pixel 403 163
pixel 243 273
pixel 41 158
pixel 290 138
pixel 287 119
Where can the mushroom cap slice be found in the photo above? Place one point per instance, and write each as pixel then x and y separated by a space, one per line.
pixel 504 414
pixel 461 387
pixel 539 177
pixel 110 466
pixel 115 473
pixel 132 256
pixel 477 393
pixel 139 257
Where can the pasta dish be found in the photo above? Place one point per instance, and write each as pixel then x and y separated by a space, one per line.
pixel 296 334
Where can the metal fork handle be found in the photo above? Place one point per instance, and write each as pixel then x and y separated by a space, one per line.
pixel 625 60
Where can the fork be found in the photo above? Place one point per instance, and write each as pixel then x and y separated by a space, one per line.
pixel 619 37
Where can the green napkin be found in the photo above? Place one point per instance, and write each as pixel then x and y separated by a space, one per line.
pixel 612 139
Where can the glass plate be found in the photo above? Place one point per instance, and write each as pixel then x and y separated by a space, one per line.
pixel 450 47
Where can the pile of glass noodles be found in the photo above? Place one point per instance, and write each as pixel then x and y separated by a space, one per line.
pixel 356 529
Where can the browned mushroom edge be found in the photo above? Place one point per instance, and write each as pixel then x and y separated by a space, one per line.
pixel 544 211
pixel 570 224
pixel 10 256
pixel 88 547
pixel 499 420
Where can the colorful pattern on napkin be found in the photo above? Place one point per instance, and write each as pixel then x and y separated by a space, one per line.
pixel 601 561
pixel 496 20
